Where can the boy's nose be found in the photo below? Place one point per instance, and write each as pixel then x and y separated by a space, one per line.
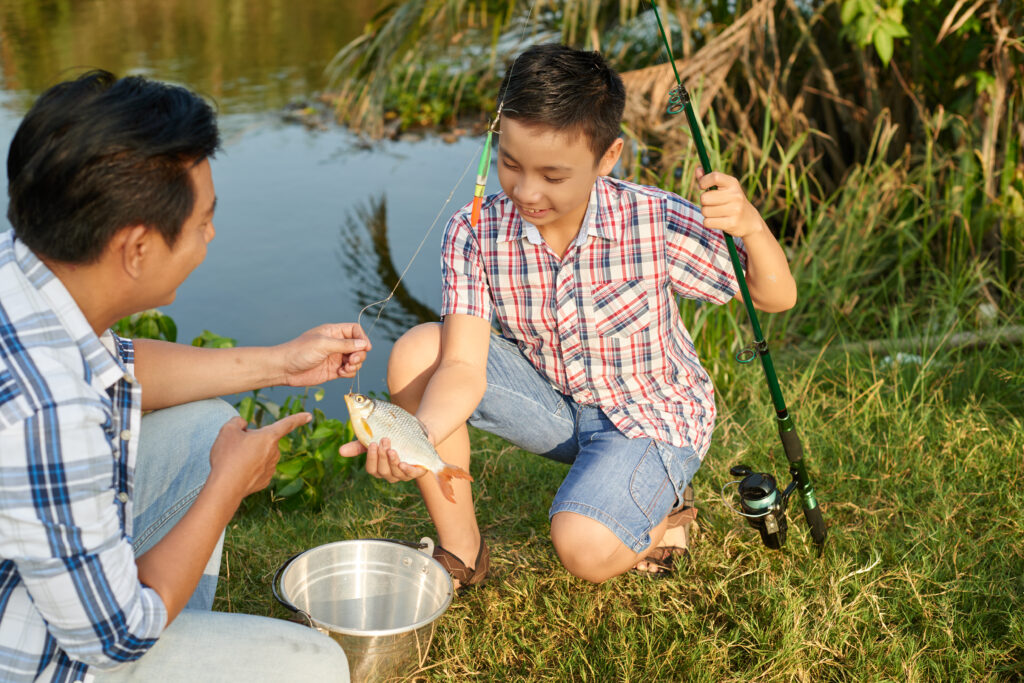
pixel 527 190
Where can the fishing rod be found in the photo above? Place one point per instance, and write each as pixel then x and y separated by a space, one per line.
pixel 760 500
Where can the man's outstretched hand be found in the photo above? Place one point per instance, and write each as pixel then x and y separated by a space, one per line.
pixel 324 353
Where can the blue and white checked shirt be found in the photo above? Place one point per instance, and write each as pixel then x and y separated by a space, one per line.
pixel 70 411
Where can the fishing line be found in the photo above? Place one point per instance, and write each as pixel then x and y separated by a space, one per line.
pixel 384 302
pixel 482 173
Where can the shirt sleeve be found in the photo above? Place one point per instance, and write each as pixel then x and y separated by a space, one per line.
pixel 698 259
pixel 61 525
pixel 463 279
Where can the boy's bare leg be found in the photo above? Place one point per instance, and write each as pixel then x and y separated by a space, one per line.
pixel 413 361
pixel 589 550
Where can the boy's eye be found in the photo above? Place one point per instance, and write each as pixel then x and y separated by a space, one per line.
pixel 510 166
pixel 554 180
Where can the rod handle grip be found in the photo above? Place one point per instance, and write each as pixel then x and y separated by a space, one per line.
pixel 817 524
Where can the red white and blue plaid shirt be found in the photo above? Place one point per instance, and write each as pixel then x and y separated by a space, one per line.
pixel 70 412
pixel 601 323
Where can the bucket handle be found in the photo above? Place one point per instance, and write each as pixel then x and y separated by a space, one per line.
pixel 423 544
pixel 284 603
pixel 426 543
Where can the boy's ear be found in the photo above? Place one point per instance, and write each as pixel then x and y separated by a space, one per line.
pixel 610 157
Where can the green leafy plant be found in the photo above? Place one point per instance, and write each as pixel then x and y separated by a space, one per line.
pixel 309 455
pixel 210 340
pixel 151 324
pixel 873 23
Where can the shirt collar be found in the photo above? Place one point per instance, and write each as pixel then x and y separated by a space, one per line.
pixel 600 220
pixel 98 352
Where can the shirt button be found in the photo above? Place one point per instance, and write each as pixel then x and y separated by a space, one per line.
pixel 128 378
pixel 125 435
pixel 123 497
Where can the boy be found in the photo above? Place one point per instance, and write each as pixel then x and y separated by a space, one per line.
pixel 593 366
pixel 111 523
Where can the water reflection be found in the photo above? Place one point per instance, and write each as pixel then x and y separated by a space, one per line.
pixel 249 55
pixel 278 265
pixel 403 310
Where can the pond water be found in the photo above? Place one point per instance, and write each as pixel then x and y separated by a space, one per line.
pixel 312 223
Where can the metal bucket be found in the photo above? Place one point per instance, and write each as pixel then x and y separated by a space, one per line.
pixel 379 599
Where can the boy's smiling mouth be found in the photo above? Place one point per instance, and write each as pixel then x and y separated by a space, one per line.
pixel 533 213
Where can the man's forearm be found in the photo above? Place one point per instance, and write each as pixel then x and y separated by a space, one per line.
pixel 172 374
pixel 175 564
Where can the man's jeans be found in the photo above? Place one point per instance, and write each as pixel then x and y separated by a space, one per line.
pixel 200 645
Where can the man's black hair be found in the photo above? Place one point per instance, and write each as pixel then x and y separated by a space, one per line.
pixel 97 154
pixel 570 91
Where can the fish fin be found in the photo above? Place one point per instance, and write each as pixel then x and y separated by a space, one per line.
pixel 444 479
pixel 366 427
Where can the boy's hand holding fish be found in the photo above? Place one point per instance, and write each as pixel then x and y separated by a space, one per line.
pixel 398 446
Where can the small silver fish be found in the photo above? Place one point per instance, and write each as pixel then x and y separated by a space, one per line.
pixel 374 419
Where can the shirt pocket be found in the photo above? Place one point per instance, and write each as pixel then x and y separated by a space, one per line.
pixel 621 308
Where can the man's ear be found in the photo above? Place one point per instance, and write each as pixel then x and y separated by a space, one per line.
pixel 131 245
pixel 610 157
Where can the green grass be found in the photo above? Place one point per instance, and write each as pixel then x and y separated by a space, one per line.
pixel 919 472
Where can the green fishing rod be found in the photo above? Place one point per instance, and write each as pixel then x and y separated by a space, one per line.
pixel 760 500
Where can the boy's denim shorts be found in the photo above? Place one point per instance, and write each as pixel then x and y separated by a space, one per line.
pixel 622 483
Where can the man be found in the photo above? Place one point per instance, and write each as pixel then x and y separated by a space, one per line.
pixel 111 523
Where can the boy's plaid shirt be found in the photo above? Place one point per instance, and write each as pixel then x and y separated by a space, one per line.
pixel 601 323
pixel 70 412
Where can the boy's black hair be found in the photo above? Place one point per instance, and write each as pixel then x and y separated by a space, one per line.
pixel 568 90
pixel 96 154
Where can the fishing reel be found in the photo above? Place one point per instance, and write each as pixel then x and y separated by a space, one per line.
pixel 763 504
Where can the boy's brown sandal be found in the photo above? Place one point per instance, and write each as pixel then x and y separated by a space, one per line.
pixel 466 576
pixel 664 558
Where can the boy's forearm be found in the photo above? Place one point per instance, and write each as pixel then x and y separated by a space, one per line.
pixel 451 397
pixel 769 280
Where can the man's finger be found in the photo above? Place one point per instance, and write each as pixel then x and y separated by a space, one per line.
pixel 287 424
pixel 235 423
pixel 344 346
pixel 344 331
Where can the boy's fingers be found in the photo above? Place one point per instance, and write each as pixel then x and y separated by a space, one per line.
pixel 716 179
pixel 352 449
pixel 413 471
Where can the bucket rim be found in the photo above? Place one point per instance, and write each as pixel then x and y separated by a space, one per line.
pixel 334 628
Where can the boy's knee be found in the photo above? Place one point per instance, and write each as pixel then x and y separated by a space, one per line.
pixel 414 354
pixel 587 549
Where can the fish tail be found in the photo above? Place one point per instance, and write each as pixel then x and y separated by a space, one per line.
pixel 444 479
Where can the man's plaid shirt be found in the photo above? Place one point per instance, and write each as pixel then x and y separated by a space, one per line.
pixel 601 323
pixel 70 412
